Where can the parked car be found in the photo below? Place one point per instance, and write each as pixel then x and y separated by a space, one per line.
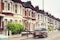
pixel 42 32
pixel 25 32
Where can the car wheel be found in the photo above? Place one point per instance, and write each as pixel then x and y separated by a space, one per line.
pixel 34 36
pixel 45 36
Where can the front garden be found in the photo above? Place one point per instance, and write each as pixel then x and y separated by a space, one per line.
pixel 15 27
pixel 50 28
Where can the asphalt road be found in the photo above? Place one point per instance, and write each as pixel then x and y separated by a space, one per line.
pixel 55 35
pixel 51 36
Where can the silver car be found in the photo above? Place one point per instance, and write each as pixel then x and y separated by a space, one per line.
pixel 42 32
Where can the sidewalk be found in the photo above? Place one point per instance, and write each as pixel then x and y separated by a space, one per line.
pixel 18 37
pixel 53 31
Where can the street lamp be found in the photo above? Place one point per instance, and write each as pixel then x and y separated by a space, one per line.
pixel 43 9
pixel 43 5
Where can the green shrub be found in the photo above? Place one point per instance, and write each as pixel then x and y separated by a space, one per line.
pixel 50 28
pixel 15 27
pixel 59 28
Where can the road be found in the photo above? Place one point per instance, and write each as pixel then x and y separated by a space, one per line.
pixel 51 36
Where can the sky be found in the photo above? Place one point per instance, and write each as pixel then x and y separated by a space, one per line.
pixel 51 6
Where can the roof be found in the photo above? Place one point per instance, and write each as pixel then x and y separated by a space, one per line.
pixel 28 5
pixel 38 10
pixel 17 1
pixel 51 16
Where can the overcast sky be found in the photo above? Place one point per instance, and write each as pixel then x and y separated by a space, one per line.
pixel 51 6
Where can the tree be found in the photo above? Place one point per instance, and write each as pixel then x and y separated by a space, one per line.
pixel 59 28
pixel 15 27
pixel 50 28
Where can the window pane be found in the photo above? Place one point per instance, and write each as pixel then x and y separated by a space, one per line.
pixel 20 9
pixel 15 8
pixel 25 13
pixel 8 6
pixel 2 6
pixel 38 16
pixel 29 13
pixel 1 0
pixel 11 20
pixel 33 14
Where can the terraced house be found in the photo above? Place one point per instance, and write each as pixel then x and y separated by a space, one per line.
pixel 25 13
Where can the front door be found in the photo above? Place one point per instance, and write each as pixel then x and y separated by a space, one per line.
pixel 26 24
pixel 1 24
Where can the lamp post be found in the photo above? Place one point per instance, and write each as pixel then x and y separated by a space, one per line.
pixel 43 5
pixel 43 10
